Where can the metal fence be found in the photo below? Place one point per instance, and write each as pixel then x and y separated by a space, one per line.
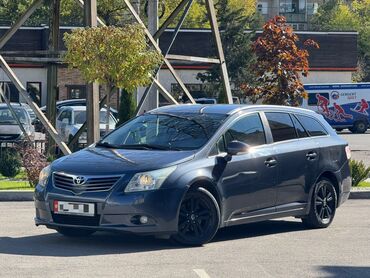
pixel 39 145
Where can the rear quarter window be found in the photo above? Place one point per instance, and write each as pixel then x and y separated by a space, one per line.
pixel 312 126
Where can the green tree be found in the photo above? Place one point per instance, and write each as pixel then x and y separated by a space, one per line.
pixel 237 49
pixel 279 62
pixel 112 56
pixel 340 15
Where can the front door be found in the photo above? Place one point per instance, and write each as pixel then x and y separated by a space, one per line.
pixel 247 180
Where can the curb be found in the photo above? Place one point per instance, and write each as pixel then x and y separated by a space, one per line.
pixel 24 196
pixel 16 195
pixel 360 193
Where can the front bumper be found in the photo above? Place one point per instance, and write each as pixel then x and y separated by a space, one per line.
pixel 114 211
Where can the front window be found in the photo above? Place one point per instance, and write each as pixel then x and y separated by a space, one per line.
pixel 80 118
pixel 180 131
pixel 6 117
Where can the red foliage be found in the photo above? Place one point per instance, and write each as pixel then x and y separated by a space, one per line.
pixel 279 62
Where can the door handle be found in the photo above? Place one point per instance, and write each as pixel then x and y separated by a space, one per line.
pixel 311 155
pixel 271 162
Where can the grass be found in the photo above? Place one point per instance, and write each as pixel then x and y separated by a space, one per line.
pixel 364 184
pixel 14 185
pixel 19 182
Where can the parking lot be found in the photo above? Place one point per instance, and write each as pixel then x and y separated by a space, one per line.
pixel 359 144
pixel 278 248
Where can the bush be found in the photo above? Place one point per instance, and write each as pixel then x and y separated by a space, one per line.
pixel 33 162
pixel 359 172
pixel 10 163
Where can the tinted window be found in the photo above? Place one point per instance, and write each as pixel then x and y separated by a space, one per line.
pixel 281 125
pixel 301 132
pixel 315 98
pixel 248 130
pixel 180 131
pixel 313 127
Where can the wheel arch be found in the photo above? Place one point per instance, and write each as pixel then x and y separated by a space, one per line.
pixel 330 176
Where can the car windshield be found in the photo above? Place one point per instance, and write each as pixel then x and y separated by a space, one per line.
pixel 80 117
pixel 165 131
pixel 6 117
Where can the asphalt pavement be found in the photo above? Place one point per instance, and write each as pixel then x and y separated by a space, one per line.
pixel 277 248
pixel 359 144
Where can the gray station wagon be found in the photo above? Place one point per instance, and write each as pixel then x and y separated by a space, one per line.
pixel 185 171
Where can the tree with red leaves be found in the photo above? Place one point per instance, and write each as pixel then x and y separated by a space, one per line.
pixel 279 62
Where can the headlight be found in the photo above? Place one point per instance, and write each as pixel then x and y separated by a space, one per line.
pixel 44 175
pixel 149 180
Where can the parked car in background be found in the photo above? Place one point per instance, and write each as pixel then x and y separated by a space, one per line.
pixel 71 118
pixel 185 171
pixel 75 102
pixel 205 100
pixel 9 128
pixel 64 103
pixel 342 105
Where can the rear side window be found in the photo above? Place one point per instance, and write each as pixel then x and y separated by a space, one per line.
pixel 301 132
pixel 282 127
pixel 248 129
pixel 313 126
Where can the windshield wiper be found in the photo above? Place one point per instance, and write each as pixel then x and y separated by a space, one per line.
pixel 107 145
pixel 149 147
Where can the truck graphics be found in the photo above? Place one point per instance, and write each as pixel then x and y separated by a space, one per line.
pixel 342 105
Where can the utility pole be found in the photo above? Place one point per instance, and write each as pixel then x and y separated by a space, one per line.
pixel 152 100
pixel 52 70
pixel 92 90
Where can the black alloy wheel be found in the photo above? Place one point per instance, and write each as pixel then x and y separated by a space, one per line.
pixel 199 218
pixel 323 205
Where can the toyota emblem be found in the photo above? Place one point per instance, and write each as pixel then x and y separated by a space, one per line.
pixel 79 180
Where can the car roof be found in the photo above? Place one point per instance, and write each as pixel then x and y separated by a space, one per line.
pixel 23 105
pixel 226 109
pixel 78 108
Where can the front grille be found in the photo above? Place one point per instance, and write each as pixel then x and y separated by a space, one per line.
pixel 76 220
pixel 80 184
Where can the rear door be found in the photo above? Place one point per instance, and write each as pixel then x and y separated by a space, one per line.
pixel 295 154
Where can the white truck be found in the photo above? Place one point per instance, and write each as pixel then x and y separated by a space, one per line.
pixel 342 105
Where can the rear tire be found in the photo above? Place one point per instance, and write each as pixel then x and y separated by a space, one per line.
pixel 199 218
pixel 359 127
pixel 323 205
pixel 74 232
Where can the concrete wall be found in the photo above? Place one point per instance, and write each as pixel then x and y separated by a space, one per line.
pixel 29 75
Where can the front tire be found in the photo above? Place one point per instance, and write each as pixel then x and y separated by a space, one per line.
pixel 199 218
pixel 323 205
pixel 74 232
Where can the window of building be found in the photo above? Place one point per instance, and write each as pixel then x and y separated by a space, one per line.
pixel 282 127
pixel 11 92
pixel 262 8
pixel 313 127
pixel 76 91
pixel 34 89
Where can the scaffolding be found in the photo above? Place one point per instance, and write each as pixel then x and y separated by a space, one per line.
pixel 92 96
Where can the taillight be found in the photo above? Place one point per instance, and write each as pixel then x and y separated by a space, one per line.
pixel 348 152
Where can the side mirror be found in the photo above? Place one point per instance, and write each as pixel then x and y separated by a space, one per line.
pixel 237 147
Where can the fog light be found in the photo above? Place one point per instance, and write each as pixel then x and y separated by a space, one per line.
pixel 143 219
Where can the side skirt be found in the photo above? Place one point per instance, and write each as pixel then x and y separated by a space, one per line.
pixel 294 209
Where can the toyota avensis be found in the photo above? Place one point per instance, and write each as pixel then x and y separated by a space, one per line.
pixel 185 171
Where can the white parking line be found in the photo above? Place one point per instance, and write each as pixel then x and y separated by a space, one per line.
pixel 201 273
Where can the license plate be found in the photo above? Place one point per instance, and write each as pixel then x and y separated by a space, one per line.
pixel 73 208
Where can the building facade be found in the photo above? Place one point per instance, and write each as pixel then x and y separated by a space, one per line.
pixel 334 62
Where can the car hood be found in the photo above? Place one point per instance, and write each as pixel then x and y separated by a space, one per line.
pixel 106 161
